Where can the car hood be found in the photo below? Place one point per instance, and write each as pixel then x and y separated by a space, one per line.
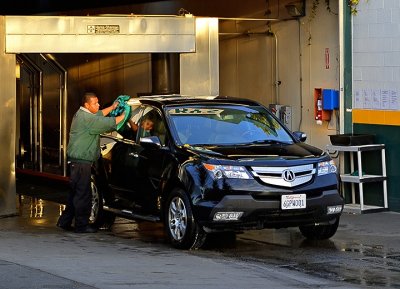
pixel 257 151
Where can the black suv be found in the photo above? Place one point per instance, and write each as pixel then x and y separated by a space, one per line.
pixel 210 164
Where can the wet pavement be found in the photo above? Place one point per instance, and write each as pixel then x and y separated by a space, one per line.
pixel 364 253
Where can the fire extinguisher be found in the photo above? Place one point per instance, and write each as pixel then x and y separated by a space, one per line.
pixel 318 116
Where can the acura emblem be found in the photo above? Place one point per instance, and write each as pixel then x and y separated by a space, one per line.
pixel 288 175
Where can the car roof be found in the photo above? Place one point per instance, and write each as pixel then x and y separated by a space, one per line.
pixel 176 99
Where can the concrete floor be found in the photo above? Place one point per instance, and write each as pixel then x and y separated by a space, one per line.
pixel 364 253
pixel 36 254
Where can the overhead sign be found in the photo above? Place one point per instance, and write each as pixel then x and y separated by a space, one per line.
pixel 103 29
pixel 99 34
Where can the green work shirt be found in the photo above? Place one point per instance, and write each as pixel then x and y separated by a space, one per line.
pixel 84 135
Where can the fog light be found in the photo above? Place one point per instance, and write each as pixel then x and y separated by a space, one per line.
pixel 334 209
pixel 227 216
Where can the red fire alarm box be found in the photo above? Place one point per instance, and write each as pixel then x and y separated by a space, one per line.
pixel 319 112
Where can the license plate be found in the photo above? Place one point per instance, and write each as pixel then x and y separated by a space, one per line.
pixel 289 202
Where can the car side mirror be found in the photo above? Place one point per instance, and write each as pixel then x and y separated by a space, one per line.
pixel 301 136
pixel 150 142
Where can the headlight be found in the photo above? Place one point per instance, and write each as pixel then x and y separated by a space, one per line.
pixel 230 172
pixel 326 167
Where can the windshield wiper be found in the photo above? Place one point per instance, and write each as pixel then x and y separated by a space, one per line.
pixel 269 141
pixel 200 145
pixel 256 142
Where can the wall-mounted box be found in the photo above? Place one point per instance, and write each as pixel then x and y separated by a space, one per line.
pixel 330 99
pixel 325 114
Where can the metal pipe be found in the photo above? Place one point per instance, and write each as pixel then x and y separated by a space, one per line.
pixel 341 163
pixel 40 121
pixel 301 77
pixel 277 81
pixel 60 139
pixel 341 68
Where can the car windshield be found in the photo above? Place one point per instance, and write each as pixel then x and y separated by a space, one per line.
pixel 226 125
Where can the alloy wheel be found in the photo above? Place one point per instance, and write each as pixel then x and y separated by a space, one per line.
pixel 177 217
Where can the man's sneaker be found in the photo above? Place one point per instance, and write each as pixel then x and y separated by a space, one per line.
pixel 87 229
pixel 65 227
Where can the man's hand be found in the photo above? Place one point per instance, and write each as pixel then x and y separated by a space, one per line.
pixel 107 110
pixel 115 105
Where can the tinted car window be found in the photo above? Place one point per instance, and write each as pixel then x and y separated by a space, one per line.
pixel 144 121
pixel 223 125
pixel 151 124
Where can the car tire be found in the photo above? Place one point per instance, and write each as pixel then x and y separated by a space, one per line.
pixel 98 217
pixel 182 230
pixel 320 232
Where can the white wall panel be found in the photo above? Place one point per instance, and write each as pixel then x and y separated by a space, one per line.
pixel 380 17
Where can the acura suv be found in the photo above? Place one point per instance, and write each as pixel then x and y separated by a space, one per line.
pixel 213 164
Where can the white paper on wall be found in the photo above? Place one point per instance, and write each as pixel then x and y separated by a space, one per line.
pixel 376 98
pixel 358 99
pixel 385 99
pixel 394 100
pixel 367 95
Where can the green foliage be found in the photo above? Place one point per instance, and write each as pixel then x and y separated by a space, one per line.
pixel 353 6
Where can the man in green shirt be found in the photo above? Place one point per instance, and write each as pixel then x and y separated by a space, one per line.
pixel 83 152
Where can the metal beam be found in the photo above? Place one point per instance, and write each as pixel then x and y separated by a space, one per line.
pixel 7 127
pixel 200 71
pixel 129 34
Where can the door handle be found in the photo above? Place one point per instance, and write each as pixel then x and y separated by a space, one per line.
pixel 135 155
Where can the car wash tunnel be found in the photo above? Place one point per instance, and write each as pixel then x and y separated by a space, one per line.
pixel 108 55
pixel 48 61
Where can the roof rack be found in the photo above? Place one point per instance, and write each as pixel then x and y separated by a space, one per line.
pixel 160 96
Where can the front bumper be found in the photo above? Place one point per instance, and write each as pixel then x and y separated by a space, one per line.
pixel 258 214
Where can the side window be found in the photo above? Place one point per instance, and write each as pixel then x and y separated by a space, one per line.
pixel 159 129
pixel 129 130
pixel 152 124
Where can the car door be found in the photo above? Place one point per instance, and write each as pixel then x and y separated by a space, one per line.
pixel 135 167
pixel 151 151
pixel 123 177
pixel 120 158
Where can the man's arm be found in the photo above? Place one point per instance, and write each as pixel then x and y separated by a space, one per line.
pixel 133 125
pixel 119 118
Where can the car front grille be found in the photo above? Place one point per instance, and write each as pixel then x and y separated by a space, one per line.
pixel 285 176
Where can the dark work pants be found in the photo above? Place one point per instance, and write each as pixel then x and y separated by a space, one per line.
pixel 80 196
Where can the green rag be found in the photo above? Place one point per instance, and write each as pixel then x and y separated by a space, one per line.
pixel 123 106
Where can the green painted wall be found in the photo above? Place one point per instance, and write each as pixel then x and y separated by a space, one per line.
pixel 348 80
pixel 390 136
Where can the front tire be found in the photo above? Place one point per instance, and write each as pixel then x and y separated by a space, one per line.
pixel 182 230
pixel 98 217
pixel 320 232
